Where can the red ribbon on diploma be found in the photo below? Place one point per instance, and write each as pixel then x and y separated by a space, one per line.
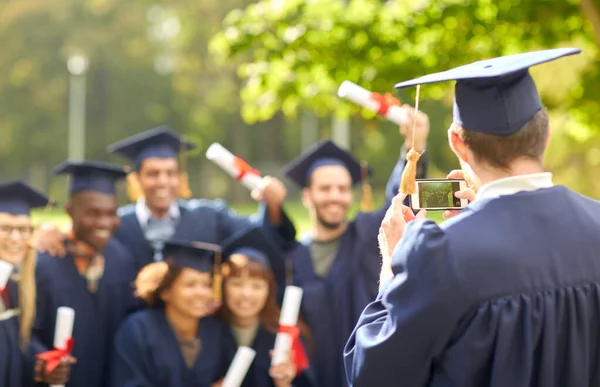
pixel 385 102
pixel 54 357
pixel 1 291
pixel 244 168
pixel 300 358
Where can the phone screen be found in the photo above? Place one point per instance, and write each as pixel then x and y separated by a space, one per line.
pixel 438 194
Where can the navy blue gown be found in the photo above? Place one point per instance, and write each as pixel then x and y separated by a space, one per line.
pixel 258 374
pixel 332 305
pixel 505 294
pixel 97 316
pixel 203 220
pixel 11 357
pixel 148 353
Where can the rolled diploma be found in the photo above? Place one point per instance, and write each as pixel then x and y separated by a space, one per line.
pixel 5 270
pixel 239 367
pixel 63 331
pixel 362 97
pixel 289 317
pixel 226 160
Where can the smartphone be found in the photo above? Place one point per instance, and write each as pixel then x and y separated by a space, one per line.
pixel 438 194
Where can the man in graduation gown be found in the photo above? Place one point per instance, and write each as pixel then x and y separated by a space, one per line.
pixel 338 264
pixel 157 215
pixel 94 278
pixel 507 292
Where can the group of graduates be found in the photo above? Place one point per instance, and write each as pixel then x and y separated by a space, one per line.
pixel 165 289
pixel 504 293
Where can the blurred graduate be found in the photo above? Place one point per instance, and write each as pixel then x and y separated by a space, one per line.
pixel 254 270
pixel 174 342
pixel 17 301
pixel 507 292
pixel 157 215
pixel 94 278
pixel 337 264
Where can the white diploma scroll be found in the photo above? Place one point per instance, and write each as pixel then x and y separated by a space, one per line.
pixel 289 317
pixel 227 161
pixel 364 98
pixel 5 270
pixel 239 367
pixel 63 331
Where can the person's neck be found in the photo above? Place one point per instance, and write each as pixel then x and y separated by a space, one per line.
pixel 322 233
pixel 159 213
pixel 487 175
pixel 184 326
pixel 245 322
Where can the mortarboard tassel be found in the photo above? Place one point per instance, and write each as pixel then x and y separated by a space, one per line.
pixel 366 203
pixel 183 191
pixel 408 184
pixel 217 278
pixel 134 190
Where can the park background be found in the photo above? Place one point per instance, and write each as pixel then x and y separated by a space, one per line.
pixel 260 77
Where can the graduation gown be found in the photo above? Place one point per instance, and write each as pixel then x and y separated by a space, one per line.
pixel 97 316
pixel 148 353
pixel 209 221
pixel 505 294
pixel 258 374
pixel 11 357
pixel 332 305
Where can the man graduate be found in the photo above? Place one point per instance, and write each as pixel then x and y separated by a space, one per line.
pixel 507 292
pixel 94 278
pixel 338 265
pixel 158 215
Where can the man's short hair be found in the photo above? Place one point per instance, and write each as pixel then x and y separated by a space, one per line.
pixel 529 142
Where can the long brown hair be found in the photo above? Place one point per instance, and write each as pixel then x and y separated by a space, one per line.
pixel 153 279
pixel 269 315
pixel 27 295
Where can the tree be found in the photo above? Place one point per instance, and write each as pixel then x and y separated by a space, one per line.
pixel 302 50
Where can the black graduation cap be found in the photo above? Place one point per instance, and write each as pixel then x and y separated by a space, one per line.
pixel 91 175
pixel 18 197
pixel 255 246
pixel 321 154
pixel 495 96
pixel 192 255
pixel 162 142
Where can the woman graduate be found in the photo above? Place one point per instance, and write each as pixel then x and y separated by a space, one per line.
pixel 255 271
pixel 17 299
pixel 173 343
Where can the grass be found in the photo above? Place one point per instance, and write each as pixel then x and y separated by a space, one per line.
pixel 295 211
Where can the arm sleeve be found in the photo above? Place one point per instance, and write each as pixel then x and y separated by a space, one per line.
pixel 129 368
pixel 399 334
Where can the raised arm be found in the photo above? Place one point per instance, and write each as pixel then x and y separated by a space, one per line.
pixel 399 334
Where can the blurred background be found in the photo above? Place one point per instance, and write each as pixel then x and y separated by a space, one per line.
pixel 260 77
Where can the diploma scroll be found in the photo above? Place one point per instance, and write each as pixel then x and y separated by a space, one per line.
pixel 235 167
pixel 239 367
pixel 288 318
pixel 63 331
pixel 5 270
pixel 373 101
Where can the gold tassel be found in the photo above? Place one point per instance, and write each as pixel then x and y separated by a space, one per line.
pixel 183 191
pixel 366 203
pixel 408 184
pixel 134 190
pixel 217 278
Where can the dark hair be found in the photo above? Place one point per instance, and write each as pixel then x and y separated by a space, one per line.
pixel 153 279
pixel 529 142
pixel 269 315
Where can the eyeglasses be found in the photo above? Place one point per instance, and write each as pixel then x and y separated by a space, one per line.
pixel 23 231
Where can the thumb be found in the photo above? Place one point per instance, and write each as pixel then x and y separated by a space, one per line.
pixel 256 195
pixel 421 214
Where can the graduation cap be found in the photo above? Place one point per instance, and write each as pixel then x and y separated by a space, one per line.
pixel 200 256
pixel 91 175
pixel 254 245
pixel 495 96
pixel 161 142
pixel 18 198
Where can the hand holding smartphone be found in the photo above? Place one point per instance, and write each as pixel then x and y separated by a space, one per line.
pixel 438 195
